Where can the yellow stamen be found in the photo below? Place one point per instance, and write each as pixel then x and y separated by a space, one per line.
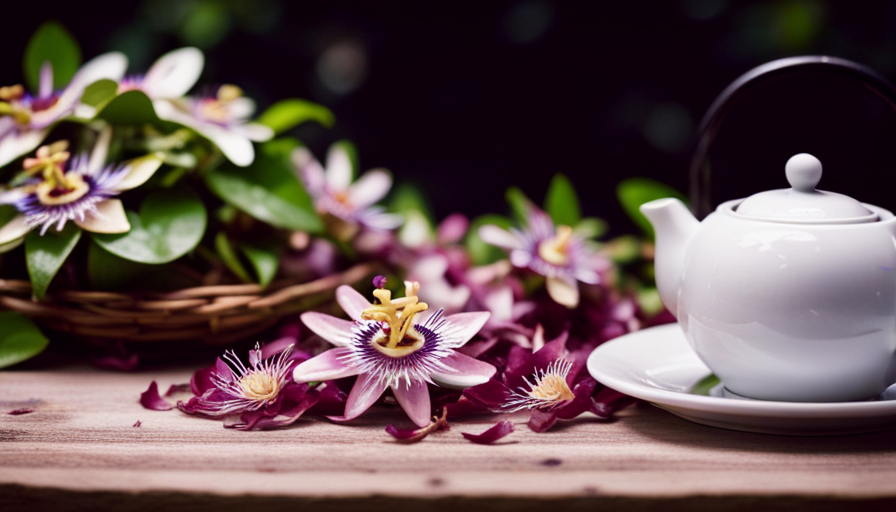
pixel 259 386
pixel 75 188
pixel 12 92
pixel 398 316
pixel 49 163
pixel 228 93
pixel 554 250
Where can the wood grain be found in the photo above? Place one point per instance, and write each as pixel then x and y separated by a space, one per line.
pixel 79 450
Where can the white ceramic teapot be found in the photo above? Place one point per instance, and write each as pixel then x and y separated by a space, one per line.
pixel 787 295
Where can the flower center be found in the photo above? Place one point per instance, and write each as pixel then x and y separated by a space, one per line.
pixel 555 250
pixel 398 338
pixel 51 194
pixel 259 386
pixel 549 391
pixel 217 110
pixel 552 388
pixel 56 186
pixel 11 104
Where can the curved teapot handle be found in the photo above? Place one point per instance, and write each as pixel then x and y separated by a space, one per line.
pixel 770 71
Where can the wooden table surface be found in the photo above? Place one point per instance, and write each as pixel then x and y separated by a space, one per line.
pixel 79 450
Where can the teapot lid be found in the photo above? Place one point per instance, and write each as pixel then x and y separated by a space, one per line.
pixel 803 203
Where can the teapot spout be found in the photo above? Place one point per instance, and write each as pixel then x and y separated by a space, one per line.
pixel 674 225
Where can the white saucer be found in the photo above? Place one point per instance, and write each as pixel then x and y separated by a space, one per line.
pixel 658 365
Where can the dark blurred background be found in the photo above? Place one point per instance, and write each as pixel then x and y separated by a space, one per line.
pixel 465 98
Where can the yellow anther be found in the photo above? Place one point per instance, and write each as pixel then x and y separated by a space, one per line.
pixel 12 92
pixel 228 93
pixel 554 250
pixel 397 315
pixel 49 164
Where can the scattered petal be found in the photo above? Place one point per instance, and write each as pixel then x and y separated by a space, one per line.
pixel 493 434
pixel 150 399
pixel 138 423
pixel 21 411
pixel 175 389
pixel 417 435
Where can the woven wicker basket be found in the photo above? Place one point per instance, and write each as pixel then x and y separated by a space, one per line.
pixel 208 315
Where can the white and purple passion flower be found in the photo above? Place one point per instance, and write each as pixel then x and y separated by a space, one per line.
pixel 335 194
pixel 555 252
pixel 222 118
pixel 26 119
pixel 388 346
pixel 56 189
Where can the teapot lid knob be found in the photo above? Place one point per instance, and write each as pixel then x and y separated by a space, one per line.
pixel 803 172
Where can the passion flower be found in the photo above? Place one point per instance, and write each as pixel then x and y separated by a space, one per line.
pixel 392 344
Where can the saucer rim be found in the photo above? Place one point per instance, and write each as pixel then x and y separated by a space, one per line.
pixel 668 398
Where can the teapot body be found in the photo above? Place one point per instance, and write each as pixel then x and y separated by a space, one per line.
pixel 790 311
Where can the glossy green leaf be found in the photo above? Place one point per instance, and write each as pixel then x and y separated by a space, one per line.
pixel 51 43
pixel 624 249
pixel 562 203
pixel 287 114
pixel 265 259
pixel 45 254
pixel 483 253
pixel 268 190
pixel 108 272
pixel 129 108
pixel 99 93
pixel 230 257
pixel 634 192
pixel 520 204
pixel 705 385
pixel 20 339
pixel 170 224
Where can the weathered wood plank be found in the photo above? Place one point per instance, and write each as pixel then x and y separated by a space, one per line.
pixel 79 447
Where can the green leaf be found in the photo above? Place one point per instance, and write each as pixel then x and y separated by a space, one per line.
pixel 634 192
pixel 129 108
pixel 590 227
pixel 99 93
pixel 51 43
pixel 287 114
pixel 230 257
pixel 265 259
pixel 520 205
pixel 705 385
pixel 562 203
pixel 170 224
pixel 45 254
pixel 624 249
pixel 268 190
pixel 20 339
pixel 483 253
pixel 108 272
pixel 407 198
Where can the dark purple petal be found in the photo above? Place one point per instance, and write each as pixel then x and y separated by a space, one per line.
pixel 150 399
pixel 379 282
pixel 609 401
pixel 582 401
pixel 295 399
pixel 138 423
pixel 492 395
pixel 495 433
pixel 19 412
pixel 223 370
pixel 275 347
pixel 331 400
pixel 201 381
pixel 178 388
pixel 207 404
pixel 465 407
pixel 542 421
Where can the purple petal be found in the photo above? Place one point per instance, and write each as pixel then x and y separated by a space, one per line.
pixel 379 282
pixel 461 327
pixel 414 399
pixel 366 392
pixel 582 401
pixel 452 229
pixel 467 372
pixel 295 400
pixel 45 88
pixel 330 400
pixel 412 436
pixel 369 188
pixel 150 399
pixel 542 421
pixel 495 433
pixel 223 370
pixel 201 381
pixel 19 412
pixel 477 348
pixel 326 366
pixel 352 302
pixel 177 389
pixel 138 423
pixel 335 330
pixel 492 395
pixel 609 401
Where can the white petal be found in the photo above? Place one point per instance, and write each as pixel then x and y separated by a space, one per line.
pixel 461 327
pixel 563 292
pixel 370 188
pixel 466 372
pixel 351 301
pixel 500 237
pixel 241 108
pixel 415 233
pixel 140 170
pixel 99 152
pixel 174 74
pixel 108 66
pixel 335 330
pixel 111 218
pixel 236 147
pixel 13 230
pixel 257 132
pixel 339 168
pixel 309 170
pixel 16 144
